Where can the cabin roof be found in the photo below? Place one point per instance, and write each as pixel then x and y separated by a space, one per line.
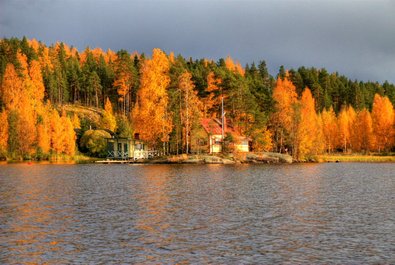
pixel 214 127
pixel 211 126
pixel 119 138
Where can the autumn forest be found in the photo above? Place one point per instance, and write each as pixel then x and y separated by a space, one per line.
pixel 164 97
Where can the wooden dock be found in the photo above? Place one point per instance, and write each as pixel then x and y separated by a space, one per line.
pixel 108 161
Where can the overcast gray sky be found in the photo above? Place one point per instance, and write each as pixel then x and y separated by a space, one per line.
pixel 355 38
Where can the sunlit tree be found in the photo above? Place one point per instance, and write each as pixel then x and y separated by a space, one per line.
pixel 190 108
pixel 11 89
pixel 57 136
pixel 261 140
pixel 343 125
pixel 213 99
pixel 285 97
pixel 363 137
pixel 383 122
pixel 68 135
pixel 108 120
pixel 75 120
pixel 307 131
pixel 329 125
pixel 150 116
pixel 25 129
pixel 3 133
pixel 124 79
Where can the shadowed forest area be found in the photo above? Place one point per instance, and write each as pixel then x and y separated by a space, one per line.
pixel 56 100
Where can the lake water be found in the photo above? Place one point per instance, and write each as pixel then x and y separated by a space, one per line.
pixel 219 214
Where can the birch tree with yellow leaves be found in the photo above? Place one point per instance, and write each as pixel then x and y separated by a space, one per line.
pixel 383 123
pixel 285 97
pixel 151 118
pixel 309 142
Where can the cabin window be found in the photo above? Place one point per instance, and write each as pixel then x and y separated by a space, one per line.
pixel 110 146
pixel 139 147
pixel 125 148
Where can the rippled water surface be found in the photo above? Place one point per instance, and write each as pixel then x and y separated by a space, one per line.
pixel 247 214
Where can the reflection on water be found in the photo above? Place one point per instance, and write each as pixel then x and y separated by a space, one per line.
pixel 111 214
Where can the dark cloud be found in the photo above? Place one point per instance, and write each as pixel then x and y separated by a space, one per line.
pixel 355 38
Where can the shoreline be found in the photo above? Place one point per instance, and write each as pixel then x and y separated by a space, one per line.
pixel 248 158
pixel 355 158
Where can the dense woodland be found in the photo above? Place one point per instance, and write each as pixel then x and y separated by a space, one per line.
pixel 305 111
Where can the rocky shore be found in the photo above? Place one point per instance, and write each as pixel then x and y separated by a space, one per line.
pixel 252 158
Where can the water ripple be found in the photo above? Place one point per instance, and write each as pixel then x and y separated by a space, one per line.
pixel 187 214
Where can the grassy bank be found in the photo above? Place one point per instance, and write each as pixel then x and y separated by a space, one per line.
pixel 355 158
pixel 60 159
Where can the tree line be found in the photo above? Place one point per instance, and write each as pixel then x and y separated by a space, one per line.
pixel 305 111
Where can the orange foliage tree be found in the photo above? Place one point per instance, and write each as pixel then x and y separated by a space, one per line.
pixel 285 97
pixel 330 130
pixel 75 120
pixel 190 108
pixel 17 92
pixel 262 140
pixel 212 101
pixel 43 137
pixel 383 122
pixel 37 89
pixel 108 120
pixel 150 116
pixel 68 135
pixel 123 83
pixel 362 137
pixel 352 116
pixel 234 67
pixel 124 79
pixel 3 133
pixel 343 125
pixel 11 88
pixel 307 141
pixel 57 138
pixel 26 129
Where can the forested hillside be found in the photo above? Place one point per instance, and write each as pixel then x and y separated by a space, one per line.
pixel 163 97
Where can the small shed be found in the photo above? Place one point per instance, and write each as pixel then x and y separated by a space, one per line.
pixel 121 148
pixel 214 132
pixel 213 128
